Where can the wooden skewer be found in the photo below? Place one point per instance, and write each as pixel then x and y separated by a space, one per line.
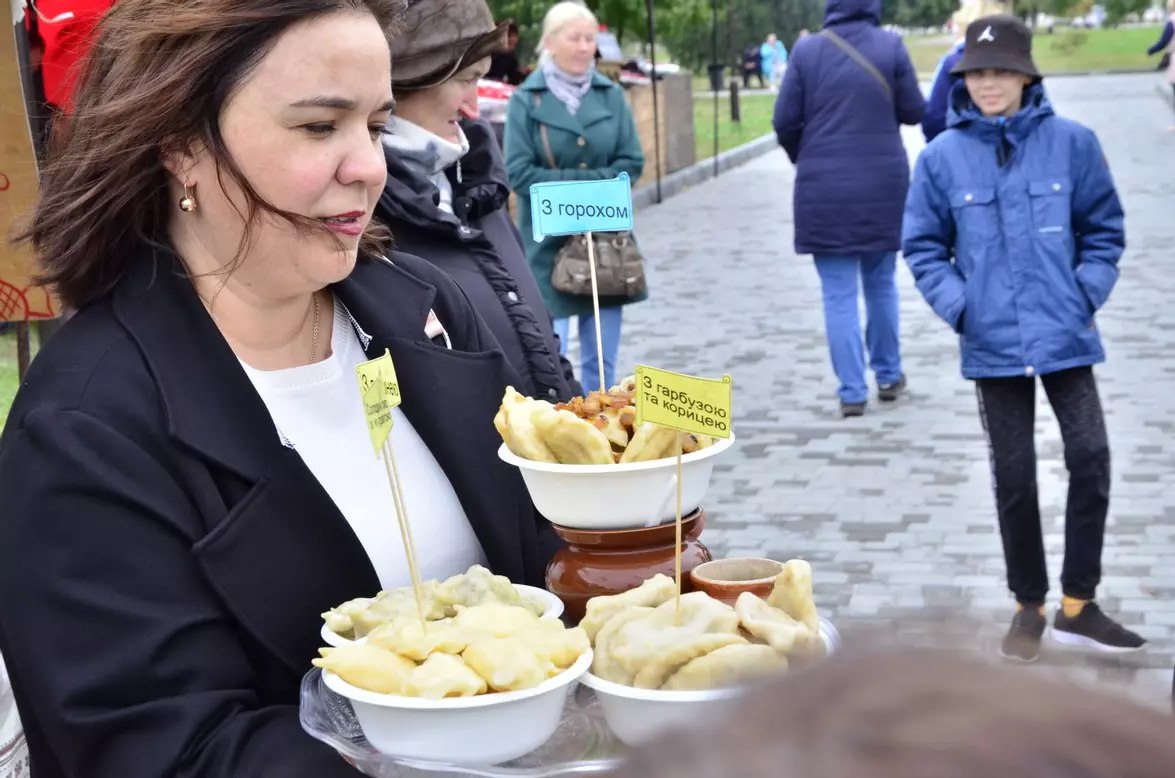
pixel 677 547
pixel 389 459
pixel 591 247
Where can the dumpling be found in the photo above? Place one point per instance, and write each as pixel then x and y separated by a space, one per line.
pixel 514 424
pixel 605 663
pixel 474 587
pixel 442 676
pixel 651 593
pixel 649 442
pixel 494 620
pixel 771 625
pixel 657 638
pixel 506 664
pixel 408 637
pixel 339 618
pixel 368 667
pixel 658 667
pixel 726 666
pixel 573 440
pixel 533 604
pixel 557 647
pixel 389 606
pixel 793 594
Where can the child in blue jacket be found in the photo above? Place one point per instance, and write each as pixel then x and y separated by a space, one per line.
pixel 1013 231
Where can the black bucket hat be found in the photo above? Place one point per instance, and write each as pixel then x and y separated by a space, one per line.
pixel 999 42
pixel 439 38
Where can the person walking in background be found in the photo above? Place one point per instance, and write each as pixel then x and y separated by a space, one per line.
pixel 1166 43
pixel 446 192
pixel 935 120
pixel 1013 232
pixel 773 55
pixel 752 66
pixel 504 63
pixel 567 122
pixel 845 95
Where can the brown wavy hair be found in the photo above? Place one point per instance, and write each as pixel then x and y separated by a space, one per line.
pixel 156 80
pixel 919 714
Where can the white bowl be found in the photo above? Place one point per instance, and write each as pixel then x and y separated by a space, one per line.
pixel 639 715
pixel 485 730
pixel 554 610
pixel 623 496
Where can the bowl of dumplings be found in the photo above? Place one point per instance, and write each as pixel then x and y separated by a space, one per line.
pixel 353 620
pixel 655 670
pixel 485 686
pixel 588 465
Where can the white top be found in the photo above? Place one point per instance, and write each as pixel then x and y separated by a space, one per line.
pixel 318 412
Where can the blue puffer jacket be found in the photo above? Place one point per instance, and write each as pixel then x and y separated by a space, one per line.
pixel 1016 257
pixel 839 126
pixel 934 123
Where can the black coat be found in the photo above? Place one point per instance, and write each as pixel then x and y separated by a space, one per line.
pixel 479 246
pixel 164 558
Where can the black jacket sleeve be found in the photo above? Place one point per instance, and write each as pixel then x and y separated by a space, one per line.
pixel 119 651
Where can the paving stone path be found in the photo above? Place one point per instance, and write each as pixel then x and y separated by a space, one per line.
pixel 894 510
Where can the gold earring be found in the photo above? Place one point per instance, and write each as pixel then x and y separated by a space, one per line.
pixel 188 201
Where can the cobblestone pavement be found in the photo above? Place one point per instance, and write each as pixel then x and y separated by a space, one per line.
pixel 894 510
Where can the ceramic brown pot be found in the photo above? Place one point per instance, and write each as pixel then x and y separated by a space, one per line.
pixel 726 579
pixel 596 562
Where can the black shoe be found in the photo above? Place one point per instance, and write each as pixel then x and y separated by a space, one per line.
pixel 1022 643
pixel 848 410
pixel 887 393
pixel 1093 629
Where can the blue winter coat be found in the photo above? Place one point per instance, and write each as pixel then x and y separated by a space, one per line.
pixel 840 128
pixel 937 105
pixel 1018 257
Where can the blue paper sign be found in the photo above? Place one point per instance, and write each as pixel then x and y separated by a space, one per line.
pixel 573 207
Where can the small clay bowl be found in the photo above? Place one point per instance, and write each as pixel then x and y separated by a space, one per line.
pixel 726 579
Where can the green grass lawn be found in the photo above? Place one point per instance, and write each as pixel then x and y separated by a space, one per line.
pixel 1065 51
pixel 756 122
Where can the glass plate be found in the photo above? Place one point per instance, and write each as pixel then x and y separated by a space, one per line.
pixel 582 744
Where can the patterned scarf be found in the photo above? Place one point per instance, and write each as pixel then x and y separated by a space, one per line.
pixel 569 89
pixel 427 155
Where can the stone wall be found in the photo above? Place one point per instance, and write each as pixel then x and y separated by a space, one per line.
pixel 676 106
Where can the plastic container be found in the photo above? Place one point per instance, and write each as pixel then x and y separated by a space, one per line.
pixel 622 496
pixel 640 715
pixel 483 730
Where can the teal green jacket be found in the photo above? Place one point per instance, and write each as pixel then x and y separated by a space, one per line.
pixel 599 142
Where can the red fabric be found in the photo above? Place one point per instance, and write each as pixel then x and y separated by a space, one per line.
pixel 66 43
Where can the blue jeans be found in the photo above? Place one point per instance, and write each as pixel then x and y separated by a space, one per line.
pixel 589 371
pixel 838 277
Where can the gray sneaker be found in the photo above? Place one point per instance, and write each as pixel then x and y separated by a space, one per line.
pixel 1022 643
pixel 849 410
pixel 887 393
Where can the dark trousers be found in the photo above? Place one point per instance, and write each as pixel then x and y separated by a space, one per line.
pixel 1007 407
pixel 747 78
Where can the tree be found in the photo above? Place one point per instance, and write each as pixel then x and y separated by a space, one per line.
pixel 917 14
pixel 1118 10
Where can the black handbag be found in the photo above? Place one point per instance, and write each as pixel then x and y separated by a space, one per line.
pixel 620 268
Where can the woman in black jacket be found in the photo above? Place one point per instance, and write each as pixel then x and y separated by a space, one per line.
pixel 186 473
pixel 445 199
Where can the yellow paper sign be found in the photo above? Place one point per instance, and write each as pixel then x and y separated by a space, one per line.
pixel 683 402
pixel 380 392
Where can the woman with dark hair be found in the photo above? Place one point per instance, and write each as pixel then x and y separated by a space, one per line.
pixel 186 473
pixel 906 713
pixel 446 195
